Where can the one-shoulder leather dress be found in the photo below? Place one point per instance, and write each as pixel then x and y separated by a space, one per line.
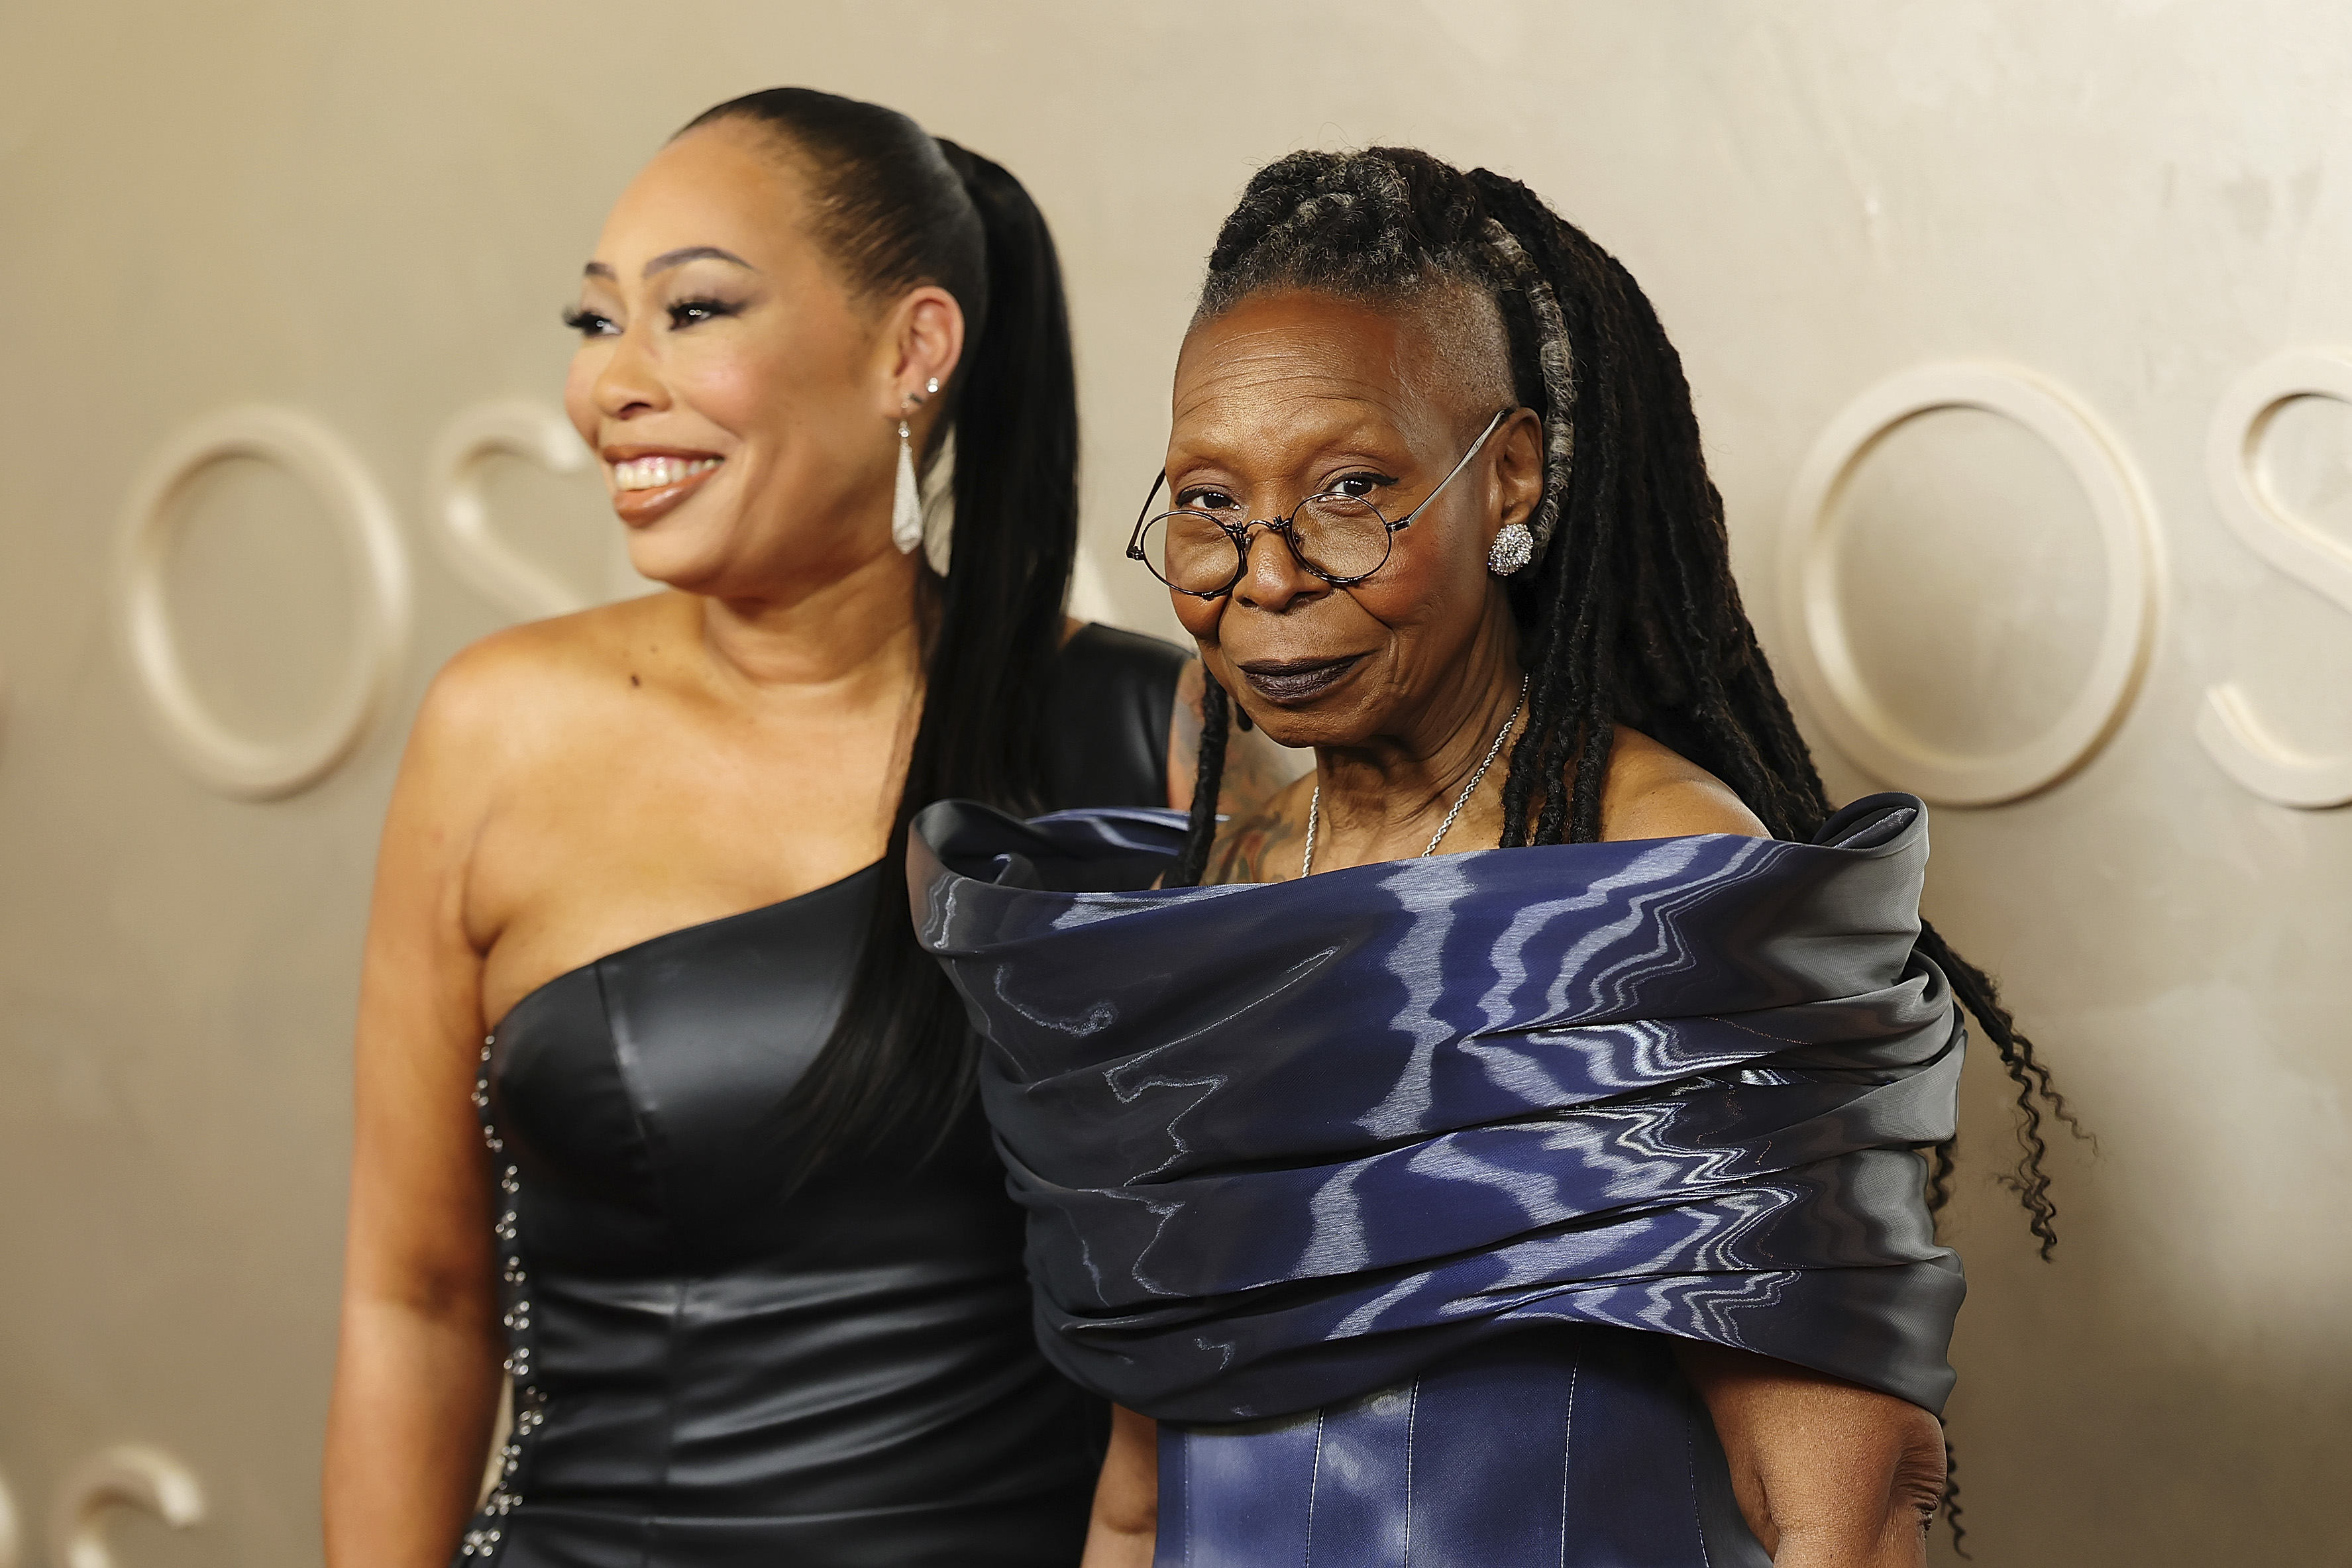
pixel 706 1376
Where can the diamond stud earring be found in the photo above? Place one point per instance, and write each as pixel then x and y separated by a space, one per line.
pixel 1512 549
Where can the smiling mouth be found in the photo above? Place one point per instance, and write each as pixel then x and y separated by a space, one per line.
pixel 659 472
pixel 1289 683
pixel 649 487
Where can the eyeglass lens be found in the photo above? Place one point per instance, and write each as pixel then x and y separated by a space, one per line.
pixel 1338 538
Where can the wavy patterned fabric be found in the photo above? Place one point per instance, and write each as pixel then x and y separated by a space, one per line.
pixel 1285 1146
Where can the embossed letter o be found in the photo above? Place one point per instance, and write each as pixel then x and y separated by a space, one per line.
pixel 1823 660
pixel 233 764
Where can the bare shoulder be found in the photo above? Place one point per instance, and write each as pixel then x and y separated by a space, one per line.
pixel 509 723
pixel 1654 792
pixel 1268 845
pixel 505 695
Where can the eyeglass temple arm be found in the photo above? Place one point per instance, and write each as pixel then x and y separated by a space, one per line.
pixel 1406 521
pixel 1135 540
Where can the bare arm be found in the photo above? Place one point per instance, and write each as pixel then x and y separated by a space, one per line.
pixel 1828 1475
pixel 417 1371
pixel 1126 1523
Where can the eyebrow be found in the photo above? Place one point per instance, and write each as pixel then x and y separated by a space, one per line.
pixel 671 259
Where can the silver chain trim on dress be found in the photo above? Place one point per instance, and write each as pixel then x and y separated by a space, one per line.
pixel 489 1531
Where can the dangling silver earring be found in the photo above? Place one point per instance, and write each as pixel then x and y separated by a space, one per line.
pixel 1512 549
pixel 907 504
pixel 907 500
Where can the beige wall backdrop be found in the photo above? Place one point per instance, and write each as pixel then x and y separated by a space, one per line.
pixel 369 215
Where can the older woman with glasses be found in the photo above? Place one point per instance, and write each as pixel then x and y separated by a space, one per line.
pixel 1555 1202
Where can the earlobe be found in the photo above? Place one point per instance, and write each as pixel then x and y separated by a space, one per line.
pixel 1519 475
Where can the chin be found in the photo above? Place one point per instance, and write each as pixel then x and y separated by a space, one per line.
pixel 680 570
pixel 677 560
pixel 1301 728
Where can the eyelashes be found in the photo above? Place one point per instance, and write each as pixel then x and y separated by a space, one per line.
pixel 587 323
pixel 682 314
pixel 686 312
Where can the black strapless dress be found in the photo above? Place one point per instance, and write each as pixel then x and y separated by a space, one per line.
pixel 706 1376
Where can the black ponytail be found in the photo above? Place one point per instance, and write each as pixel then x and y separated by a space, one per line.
pixel 896 208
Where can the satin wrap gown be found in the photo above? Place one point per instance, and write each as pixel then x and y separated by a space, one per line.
pixel 705 1375
pixel 1387 1191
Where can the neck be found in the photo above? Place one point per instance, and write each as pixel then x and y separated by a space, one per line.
pixel 853 632
pixel 1382 800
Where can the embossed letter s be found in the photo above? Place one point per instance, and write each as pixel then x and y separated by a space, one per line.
pixel 2232 735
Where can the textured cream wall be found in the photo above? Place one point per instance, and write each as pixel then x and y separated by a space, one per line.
pixel 371 212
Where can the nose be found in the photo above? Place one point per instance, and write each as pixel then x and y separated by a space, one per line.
pixel 630 383
pixel 1271 579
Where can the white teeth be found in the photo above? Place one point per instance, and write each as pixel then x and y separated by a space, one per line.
pixel 653 473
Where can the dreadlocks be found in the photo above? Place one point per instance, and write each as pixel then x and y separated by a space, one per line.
pixel 1630 615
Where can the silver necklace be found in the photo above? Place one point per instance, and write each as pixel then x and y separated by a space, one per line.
pixel 1315 802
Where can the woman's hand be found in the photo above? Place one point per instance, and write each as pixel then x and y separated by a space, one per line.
pixel 1126 1524
pixel 1828 1475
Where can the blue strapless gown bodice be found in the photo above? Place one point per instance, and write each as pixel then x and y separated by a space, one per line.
pixel 1581 1448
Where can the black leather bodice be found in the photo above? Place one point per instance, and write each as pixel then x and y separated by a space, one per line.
pixel 708 1375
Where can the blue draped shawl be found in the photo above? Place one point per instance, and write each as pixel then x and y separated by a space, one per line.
pixel 1280 1145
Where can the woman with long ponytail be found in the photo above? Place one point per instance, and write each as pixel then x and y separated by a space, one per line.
pixel 664 1123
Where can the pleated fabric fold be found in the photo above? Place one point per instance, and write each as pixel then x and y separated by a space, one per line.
pixel 1281 1145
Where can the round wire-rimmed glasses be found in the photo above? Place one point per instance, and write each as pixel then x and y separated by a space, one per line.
pixel 1341 539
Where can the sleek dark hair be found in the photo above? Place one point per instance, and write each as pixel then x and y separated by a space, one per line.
pixel 1630 614
pixel 895 208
